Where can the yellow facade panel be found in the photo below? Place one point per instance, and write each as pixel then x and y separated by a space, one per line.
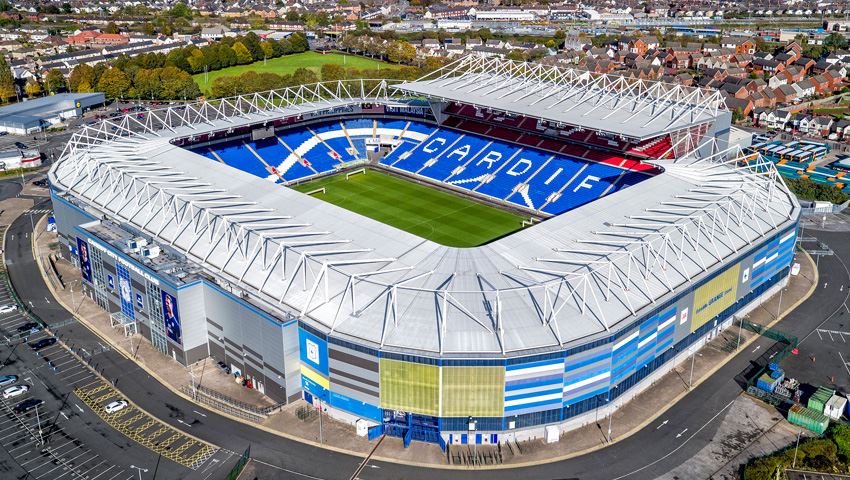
pixel 475 391
pixel 715 296
pixel 410 387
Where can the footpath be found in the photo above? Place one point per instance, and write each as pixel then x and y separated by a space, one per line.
pixel 300 422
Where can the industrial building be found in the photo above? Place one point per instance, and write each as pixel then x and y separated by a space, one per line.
pixel 31 116
pixel 654 235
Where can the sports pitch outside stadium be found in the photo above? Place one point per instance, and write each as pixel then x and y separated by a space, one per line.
pixel 432 214
pixel 289 63
pixel 362 301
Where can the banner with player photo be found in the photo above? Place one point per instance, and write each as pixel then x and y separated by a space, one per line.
pixel 85 260
pixel 172 318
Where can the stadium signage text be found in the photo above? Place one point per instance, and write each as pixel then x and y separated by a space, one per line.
pixel 714 299
pixel 138 271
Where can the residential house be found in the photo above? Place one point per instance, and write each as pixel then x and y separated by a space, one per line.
pixel 739 44
pixel 786 94
pixel 774 119
pixel 744 105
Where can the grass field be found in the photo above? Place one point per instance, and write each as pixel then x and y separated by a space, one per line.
pixel 289 63
pixel 427 212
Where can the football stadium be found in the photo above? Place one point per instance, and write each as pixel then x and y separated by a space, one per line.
pixel 495 249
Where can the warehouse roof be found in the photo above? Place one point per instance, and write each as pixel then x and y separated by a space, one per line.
pixel 33 113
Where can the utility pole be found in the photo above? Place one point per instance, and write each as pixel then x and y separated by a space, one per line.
pixel 693 358
pixel 38 421
pixel 140 469
pixel 794 463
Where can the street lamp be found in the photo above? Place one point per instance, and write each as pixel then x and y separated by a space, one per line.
pixel 140 469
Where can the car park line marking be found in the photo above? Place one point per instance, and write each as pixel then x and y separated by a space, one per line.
pixel 23 445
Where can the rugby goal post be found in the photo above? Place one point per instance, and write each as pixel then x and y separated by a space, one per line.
pixel 355 172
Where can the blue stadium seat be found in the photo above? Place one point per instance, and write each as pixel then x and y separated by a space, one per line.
pixel 591 184
pixel 237 155
pixel 297 171
pixel 392 124
pixel 553 176
pixel 326 127
pixel 295 137
pixel 511 165
pixel 403 147
pixel 430 148
pixel 341 146
pixel 358 123
pixel 520 168
pixel 461 153
pixel 488 162
pixel 320 158
pixel 420 127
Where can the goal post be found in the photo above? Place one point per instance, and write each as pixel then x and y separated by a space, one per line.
pixel 318 190
pixel 355 172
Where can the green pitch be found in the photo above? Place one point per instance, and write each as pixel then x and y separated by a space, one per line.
pixel 289 63
pixel 427 212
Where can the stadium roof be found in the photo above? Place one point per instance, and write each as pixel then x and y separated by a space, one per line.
pixel 633 108
pixel 565 280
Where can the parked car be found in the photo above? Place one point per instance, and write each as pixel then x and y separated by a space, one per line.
pixel 43 343
pixel 30 327
pixel 15 391
pixel 27 405
pixel 8 308
pixel 20 145
pixel 8 380
pixel 40 183
pixel 115 407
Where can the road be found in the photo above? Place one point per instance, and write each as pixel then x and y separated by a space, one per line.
pixel 647 454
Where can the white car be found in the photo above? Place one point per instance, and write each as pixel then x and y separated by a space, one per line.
pixel 12 392
pixel 8 308
pixel 115 407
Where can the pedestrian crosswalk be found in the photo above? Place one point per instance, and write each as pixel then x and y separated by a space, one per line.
pixel 38 210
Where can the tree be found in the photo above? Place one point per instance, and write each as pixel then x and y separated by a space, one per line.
pixel 32 88
pixel 515 55
pixel 840 434
pixel 148 28
pixel 180 10
pixel 399 51
pixel 114 83
pixel 485 34
pixel 55 81
pixel 243 56
pixel 835 41
pixel 302 76
pixel 7 81
pixel 331 72
pixel 111 27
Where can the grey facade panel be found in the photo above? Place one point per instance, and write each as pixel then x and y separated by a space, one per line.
pixel 193 322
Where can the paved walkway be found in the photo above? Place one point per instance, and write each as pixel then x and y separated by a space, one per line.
pixel 299 421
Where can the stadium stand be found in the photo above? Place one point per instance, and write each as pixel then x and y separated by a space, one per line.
pixel 522 169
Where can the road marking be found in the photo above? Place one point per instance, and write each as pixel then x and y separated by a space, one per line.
pixel 756 349
pixel 199 413
pixel 662 424
pixel 669 454
pixel 79 408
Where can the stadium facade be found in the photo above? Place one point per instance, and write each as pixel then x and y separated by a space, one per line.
pixel 658 235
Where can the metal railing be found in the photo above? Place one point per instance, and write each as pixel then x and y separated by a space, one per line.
pixel 228 404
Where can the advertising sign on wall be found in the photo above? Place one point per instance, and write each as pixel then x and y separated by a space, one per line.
pixel 85 260
pixel 172 318
pixel 715 296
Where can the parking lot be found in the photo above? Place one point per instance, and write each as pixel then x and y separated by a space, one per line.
pixel 70 435
pixel 37 441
